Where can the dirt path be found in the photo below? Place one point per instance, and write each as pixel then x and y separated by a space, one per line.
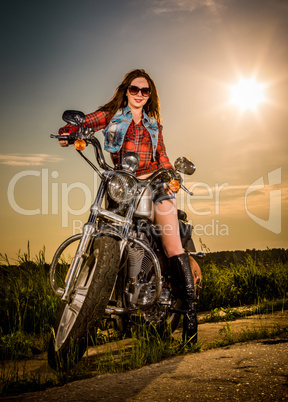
pixel 254 371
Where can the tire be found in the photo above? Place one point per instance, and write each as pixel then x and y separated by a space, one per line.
pixel 174 318
pixel 86 309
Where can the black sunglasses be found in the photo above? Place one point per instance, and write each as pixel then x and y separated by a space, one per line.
pixel 133 90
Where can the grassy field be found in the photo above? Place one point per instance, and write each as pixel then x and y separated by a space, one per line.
pixel 231 280
pixel 28 306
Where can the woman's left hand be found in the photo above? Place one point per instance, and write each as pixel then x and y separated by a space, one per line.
pixel 167 189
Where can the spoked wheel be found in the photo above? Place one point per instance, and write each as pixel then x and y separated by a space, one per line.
pixel 87 306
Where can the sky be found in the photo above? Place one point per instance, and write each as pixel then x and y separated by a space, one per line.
pixel 60 55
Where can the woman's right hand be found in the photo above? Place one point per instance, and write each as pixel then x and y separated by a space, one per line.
pixel 63 143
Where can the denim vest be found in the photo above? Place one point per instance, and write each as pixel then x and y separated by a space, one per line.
pixel 115 132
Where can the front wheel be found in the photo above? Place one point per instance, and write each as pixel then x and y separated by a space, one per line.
pixel 87 306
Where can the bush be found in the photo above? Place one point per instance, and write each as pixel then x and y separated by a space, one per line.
pixel 243 281
pixel 28 305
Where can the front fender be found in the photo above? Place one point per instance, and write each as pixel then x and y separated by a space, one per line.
pixel 59 291
pixel 52 270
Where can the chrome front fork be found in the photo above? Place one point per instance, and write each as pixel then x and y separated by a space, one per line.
pixel 81 255
pixel 79 258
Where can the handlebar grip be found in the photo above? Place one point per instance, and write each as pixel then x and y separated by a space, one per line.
pixel 69 138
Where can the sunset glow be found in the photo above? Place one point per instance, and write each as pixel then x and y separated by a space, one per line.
pixel 220 68
pixel 247 94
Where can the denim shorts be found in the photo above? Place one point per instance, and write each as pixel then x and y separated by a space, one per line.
pixel 158 192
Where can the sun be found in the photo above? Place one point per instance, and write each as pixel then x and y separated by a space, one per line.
pixel 247 94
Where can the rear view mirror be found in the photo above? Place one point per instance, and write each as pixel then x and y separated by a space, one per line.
pixel 73 117
pixel 184 165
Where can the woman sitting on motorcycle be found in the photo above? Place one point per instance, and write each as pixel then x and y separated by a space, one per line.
pixel 131 123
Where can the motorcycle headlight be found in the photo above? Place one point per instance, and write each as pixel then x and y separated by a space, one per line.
pixel 122 188
pixel 130 161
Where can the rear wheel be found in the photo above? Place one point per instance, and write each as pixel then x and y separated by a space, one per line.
pixel 164 315
pixel 87 306
pixel 172 318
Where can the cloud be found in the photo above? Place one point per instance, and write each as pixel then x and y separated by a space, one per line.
pixel 171 6
pixel 28 159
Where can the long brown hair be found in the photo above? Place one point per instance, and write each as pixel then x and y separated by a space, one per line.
pixel 119 99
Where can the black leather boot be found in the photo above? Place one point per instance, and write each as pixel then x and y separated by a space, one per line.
pixel 181 272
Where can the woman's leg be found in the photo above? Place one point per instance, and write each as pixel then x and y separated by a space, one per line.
pixel 166 218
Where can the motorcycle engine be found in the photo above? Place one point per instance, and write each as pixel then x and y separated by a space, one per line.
pixel 158 312
pixel 141 288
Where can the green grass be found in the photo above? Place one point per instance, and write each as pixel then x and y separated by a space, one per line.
pixel 248 334
pixel 28 306
pixel 231 314
pixel 231 283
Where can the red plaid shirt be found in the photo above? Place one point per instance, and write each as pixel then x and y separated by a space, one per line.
pixel 137 139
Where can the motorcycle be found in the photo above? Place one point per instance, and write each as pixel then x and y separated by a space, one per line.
pixel 119 268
